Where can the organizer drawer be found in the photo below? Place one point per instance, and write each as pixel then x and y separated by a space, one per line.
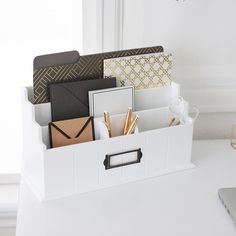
pixel 154 149
pixel 82 167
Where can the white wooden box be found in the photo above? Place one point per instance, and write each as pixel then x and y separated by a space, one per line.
pixel 60 172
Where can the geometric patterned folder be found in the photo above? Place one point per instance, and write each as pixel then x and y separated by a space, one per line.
pixel 87 67
pixel 141 71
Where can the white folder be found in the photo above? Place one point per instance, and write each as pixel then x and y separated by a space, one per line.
pixel 114 100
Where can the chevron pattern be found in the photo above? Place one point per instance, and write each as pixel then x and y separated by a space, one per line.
pixel 88 66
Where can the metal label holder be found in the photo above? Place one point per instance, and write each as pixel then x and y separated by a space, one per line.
pixel 108 159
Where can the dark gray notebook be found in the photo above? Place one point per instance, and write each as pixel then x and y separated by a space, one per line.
pixel 70 100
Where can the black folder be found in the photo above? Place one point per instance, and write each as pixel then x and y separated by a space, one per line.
pixel 70 100
pixel 55 59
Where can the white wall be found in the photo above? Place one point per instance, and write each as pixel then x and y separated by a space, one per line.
pixel 92 26
pixel 29 28
pixel 201 34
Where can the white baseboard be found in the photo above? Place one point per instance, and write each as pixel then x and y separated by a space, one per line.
pixel 212 100
pixel 217 111
pixel 7 221
pixel 7 231
pixel 8 207
pixel 10 178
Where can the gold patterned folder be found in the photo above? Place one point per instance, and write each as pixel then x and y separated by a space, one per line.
pixel 86 67
pixel 141 71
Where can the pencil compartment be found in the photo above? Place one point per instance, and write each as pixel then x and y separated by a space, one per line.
pixel 153 150
pixel 148 120
pixel 152 119
pixel 117 127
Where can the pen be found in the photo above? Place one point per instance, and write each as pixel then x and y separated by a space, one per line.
pixel 171 121
pixel 107 122
pixel 133 125
pixel 127 120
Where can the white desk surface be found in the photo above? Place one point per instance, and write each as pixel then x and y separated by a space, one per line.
pixel 181 204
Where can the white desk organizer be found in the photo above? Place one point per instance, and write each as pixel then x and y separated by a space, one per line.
pixel 153 150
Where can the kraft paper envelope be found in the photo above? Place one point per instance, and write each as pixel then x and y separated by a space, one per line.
pixel 71 131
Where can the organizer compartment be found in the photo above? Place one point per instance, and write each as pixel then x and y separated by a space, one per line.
pixel 117 126
pixel 155 97
pixel 58 172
